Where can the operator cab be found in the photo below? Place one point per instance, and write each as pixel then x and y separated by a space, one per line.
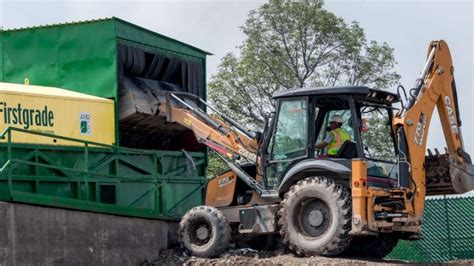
pixel 302 119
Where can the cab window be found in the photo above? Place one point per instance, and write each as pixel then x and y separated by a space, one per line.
pixel 376 134
pixel 378 142
pixel 290 138
pixel 291 130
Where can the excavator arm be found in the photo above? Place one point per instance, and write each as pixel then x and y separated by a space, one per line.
pixel 435 174
pixel 229 139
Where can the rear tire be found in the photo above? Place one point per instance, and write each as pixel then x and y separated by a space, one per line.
pixel 315 217
pixel 204 232
pixel 372 247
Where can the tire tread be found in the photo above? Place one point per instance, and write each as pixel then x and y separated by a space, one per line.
pixel 222 229
pixel 343 199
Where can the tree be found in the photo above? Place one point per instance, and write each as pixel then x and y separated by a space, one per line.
pixel 296 44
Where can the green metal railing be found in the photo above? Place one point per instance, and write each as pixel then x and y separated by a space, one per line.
pixel 7 133
pixel 112 155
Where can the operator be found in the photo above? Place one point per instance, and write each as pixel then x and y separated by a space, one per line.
pixel 336 138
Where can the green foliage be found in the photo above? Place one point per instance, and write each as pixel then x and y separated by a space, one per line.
pixel 296 44
pixel 215 165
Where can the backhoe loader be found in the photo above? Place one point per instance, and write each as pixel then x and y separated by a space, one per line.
pixel 360 201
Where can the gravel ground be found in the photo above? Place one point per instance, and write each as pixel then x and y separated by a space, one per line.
pixel 252 257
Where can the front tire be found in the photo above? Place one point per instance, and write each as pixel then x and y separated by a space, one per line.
pixel 315 217
pixel 204 232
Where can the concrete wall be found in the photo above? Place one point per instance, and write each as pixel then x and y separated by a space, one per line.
pixel 39 235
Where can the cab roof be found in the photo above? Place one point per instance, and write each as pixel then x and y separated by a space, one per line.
pixel 371 94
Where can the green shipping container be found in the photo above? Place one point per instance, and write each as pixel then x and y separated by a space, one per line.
pixel 148 173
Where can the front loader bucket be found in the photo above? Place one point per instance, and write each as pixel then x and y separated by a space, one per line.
pixel 445 175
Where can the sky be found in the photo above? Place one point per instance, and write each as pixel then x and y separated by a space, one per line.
pixel 214 26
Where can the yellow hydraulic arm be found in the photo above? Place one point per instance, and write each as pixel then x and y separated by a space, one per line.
pixel 227 138
pixel 435 87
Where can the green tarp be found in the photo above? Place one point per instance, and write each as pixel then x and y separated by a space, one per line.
pixel 81 56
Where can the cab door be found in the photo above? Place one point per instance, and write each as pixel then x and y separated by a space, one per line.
pixel 289 141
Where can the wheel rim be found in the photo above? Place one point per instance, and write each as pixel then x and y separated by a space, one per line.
pixel 312 217
pixel 200 232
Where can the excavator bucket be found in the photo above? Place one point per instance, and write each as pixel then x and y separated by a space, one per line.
pixel 446 175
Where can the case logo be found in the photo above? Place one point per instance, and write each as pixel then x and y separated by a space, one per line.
pixel 85 123
pixel 225 181
pixel 451 118
pixel 248 155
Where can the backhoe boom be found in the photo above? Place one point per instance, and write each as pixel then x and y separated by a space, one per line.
pixel 435 87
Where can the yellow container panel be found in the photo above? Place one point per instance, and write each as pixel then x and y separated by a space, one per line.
pixel 55 111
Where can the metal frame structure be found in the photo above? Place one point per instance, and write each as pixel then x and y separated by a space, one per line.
pixel 148 184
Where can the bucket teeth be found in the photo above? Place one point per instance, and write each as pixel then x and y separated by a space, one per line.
pixel 430 154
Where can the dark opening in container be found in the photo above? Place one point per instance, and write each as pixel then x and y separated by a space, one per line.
pixel 141 73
